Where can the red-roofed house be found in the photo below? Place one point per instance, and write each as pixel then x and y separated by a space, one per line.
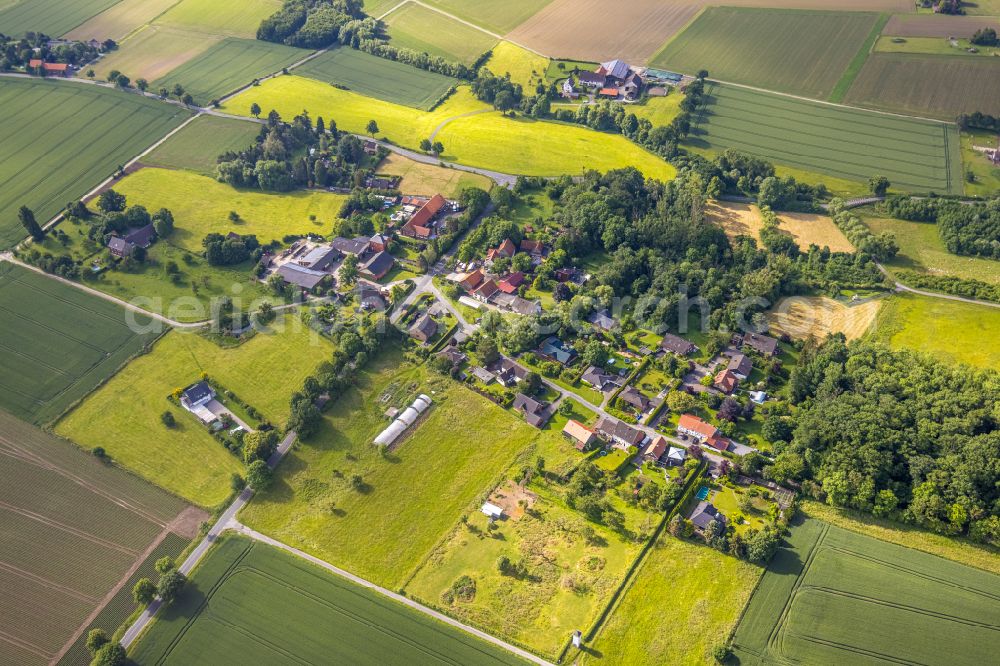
pixel 726 381
pixel 471 281
pixel 535 248
pixel 608 92
pixel 486 291
pixel 505 249
pixel 509 284
pixel 418 226
pixel 60 68
pixel 689 424
pixel 655 450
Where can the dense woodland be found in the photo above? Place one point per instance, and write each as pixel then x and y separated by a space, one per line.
pixel 968 229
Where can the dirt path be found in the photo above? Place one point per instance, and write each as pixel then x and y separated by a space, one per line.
pixel 444 122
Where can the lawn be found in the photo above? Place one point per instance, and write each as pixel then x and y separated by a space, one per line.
pixel 424 30
pixel 498 18
pixel 832 594
pixel 201 205
pixel 852 144
pixel 986 174
pixel 53 17
pixel 950 331
pixel 429 179
pixel 121 19
pixel 927 85
pixel 659 110
pixel 227 66
pixel 921 249
pixel 239 18
pixel 794 51
pixel 524 67
pixel 410 498
pixel 72 527
pixel 487 140
pixel 198 145
pixel 60 140
pixel 263 371
pixel 569 579
pixel 377 77
pixel 683 602
pixel 268 606
pixel 57 343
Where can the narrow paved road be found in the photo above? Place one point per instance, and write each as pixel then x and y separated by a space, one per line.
pixel 934 294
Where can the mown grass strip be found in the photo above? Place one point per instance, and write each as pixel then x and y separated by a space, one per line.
pixel 854 68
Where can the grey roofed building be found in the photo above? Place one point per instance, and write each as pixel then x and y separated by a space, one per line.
pixel 741 365
pixel 764 344
pixel 677 345
pixel 319 258
pixel 602 319
pixel 456 357
pixel 507 372
pixel 616 69
pixel 633 397
pixel 483 375
pixel 591 79
pixel 555 349
pixel 599 379
pixel 301 276
pixel 351 245
pixel 524 306
pixel 378 265
pixel 142 236
pixel 619 431
pixel 372 299
pixel 424 329
pixel 197 394
pixel 120 247
pixel 705 513
pixel 535 413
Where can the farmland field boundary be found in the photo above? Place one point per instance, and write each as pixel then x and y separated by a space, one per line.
pixel 858 61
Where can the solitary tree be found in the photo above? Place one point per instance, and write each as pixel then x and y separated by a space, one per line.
pixel 164 564
pixel 504 101
pixel 437 148
pixel 111 201
pixel 96 639
pixel 170 585
pixel 259 475
pixel 143 591
pixel 27 218
pixel 178 90
pixel 255 110
pixel 142 84
pixel 91 74
pixel 187 100
pixel 372 128
pixel 425 145
pixel 111 654
pixel 168 417
pixel 878 185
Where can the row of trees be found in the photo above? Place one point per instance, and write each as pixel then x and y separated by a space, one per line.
pixel 968 229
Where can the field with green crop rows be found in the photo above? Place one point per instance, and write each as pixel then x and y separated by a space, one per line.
pixel 794 51
pixel 377 77
pixel 228 66
pixel 927 85
pixel 53 17
pixel 57 343
pixel 832 596
pixel 197 146
pixel 59 140
pixel 851 144
pixel 424 30
pixel 269 606
pixel 239 18
pixel 500 17
pixel 186 459
pixel 71 528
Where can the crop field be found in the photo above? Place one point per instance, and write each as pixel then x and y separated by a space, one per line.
pixel 153 51
pixel 950 331
pixel 121 19
pixel 524 67
pixel 72 527
pixel 916 155
pixel 816 316
pixel 936 25
pixel 833 595
pixel 446 462
pixel 197 146
pixel 53 17
pixel 702 588
pixel 424 30
pixel 229 65
pixel 201 205
pixel 377 77
pixel 936 86
pixel 236 18
pixel 921 249
pixel 60 140
pixel 487 140
pixel 800 52
pixel 270 606
pixel 263 371
pixel 498 18
pixel 57 343
pixel 738 219
pixel 932 46
pixel 428 179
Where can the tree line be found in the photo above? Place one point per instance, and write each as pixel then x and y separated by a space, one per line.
pixel 966 228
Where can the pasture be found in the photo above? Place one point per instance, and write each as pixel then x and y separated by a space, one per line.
pixel 921 249
pixel 831 595
pixel 950 331
pixel 424 30
pixel 57 343
pixel 429 179
pixel 927 85
pixel 61 139
pixel 186 459
pixel 53 17
pixel 201 205
pixel 228 66
pixel 738 219
pixel 270 606
pixel 799 52
pixel 236 18
pixel 817 316
pixel 684 600
pixel 121 19
pixel 377 77
pixel 499 18
pixel 72 527
pixel 410 498
pixel 916 155
pixel 523 66
pixel 197 146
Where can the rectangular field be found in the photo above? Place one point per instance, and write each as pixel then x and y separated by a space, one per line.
pixel 229 65
pixel 235 18
pixel 424 30
pixel 71 527
pixel 497 17
pixel 121 19
pixel 57 343
pixel 931 46
pixel 62 139
pixel 937 25
pixel 268 606
pixel 377 77
pixel 153 51
pixel 832 596
pixel 197 146
pixel 799 52
pixel 428 179
pixel 53 17
pixel 186 459
pixel 852 144
pixel 927 85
